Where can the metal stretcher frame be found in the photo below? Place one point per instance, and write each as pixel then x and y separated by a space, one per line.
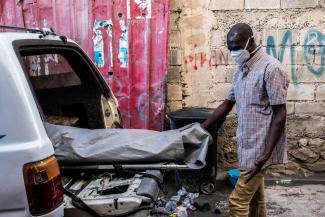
pixel 158 166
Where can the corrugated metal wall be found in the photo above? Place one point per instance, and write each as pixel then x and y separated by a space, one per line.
pixel 126 37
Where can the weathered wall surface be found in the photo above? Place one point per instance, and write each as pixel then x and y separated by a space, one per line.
pixel 201 69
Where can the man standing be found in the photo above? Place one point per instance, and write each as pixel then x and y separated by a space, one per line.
pixel 259 91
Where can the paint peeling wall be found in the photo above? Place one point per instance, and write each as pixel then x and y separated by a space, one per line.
pixel 201 69
pixel 126 37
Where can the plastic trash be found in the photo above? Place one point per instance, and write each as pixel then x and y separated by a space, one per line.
pixel 233 176
pixel 188 203
pixel 183 198
pixel 160 210
pixel 192 196
pixel 189 200
pixel 181 211
pixel 181 192
pixel 283 182
pixel 171 206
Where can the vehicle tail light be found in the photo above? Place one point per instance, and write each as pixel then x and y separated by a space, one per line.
pixel 43 185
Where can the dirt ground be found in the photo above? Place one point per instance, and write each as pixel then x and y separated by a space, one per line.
pixel 299 199
pixel 282 201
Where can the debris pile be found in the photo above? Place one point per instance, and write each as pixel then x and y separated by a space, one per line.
pixel 178 204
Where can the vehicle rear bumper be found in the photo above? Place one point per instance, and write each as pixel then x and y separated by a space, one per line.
pixel 58 212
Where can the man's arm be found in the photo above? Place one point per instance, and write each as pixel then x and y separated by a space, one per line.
pixel 277 127
pixel 220 112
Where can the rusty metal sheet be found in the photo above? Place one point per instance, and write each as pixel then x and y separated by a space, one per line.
pixel 126 37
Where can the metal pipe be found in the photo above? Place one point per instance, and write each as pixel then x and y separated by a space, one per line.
pixel 128 166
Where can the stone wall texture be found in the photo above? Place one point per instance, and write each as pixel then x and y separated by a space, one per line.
pixel 201 69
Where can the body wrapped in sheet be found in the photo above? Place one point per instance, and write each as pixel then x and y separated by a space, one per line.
pixel 118 146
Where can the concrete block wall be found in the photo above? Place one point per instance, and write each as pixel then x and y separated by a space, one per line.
pixel 201 69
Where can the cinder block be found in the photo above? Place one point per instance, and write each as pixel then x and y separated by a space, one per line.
pixel 230 71
pixel 320 57
pixel 173 19
pixel 219 92
pixel 303 74
pixel 299 57
pixel 197 40
pixel 214 104
pixel 217 38
pixel 218 74
pixel 270 37
pixel 314 58
pixel 174 106
pixel 315 108
pixel 320 92
pixel 174 74
pixel 175 39
pixel 196 97
pixel 258 4
pixel 174 92
pixel 312 36
pixel 193 21
pixel 286 54
pixel 287 69
pixel 258 37
pixel 193 4
pixel 175 57
pixel 227 5
pixel 301 92
pixel 186 91
pixel 304 34
pixel 288 37
pixel 224 57
pixel 176 5
pixel 298 3
pixel 218 57
pixel 322 3
pixel 290 108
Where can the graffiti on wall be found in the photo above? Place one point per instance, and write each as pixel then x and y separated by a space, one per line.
pixel 313 51
pixel 100 27
pixel 202 60
pixel 144 9
pixel 144 106
pixel 106 27
pixel 123 45
pixel 315 47
pixel 313 54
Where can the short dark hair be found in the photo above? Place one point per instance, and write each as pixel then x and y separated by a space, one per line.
pixel 243 29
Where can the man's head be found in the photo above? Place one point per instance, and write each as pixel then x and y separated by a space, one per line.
pixel 239 35
pixel 241 43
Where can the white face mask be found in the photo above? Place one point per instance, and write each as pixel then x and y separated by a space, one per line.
pixel 242 55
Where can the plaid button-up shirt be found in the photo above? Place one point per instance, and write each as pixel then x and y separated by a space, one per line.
pixel 257 85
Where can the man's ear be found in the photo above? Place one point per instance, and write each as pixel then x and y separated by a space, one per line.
pixel 252 41
pixel 251 44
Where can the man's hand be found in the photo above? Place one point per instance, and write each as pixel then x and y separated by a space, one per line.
pixel 221 112
pixel 259 163
pixel 204 126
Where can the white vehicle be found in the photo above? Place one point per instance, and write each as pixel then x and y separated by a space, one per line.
pixel 47 80
pixel 44 77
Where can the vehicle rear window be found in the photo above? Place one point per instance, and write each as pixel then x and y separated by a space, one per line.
pixel 47 71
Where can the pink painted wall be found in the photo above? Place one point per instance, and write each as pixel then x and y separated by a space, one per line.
pixel 127 37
